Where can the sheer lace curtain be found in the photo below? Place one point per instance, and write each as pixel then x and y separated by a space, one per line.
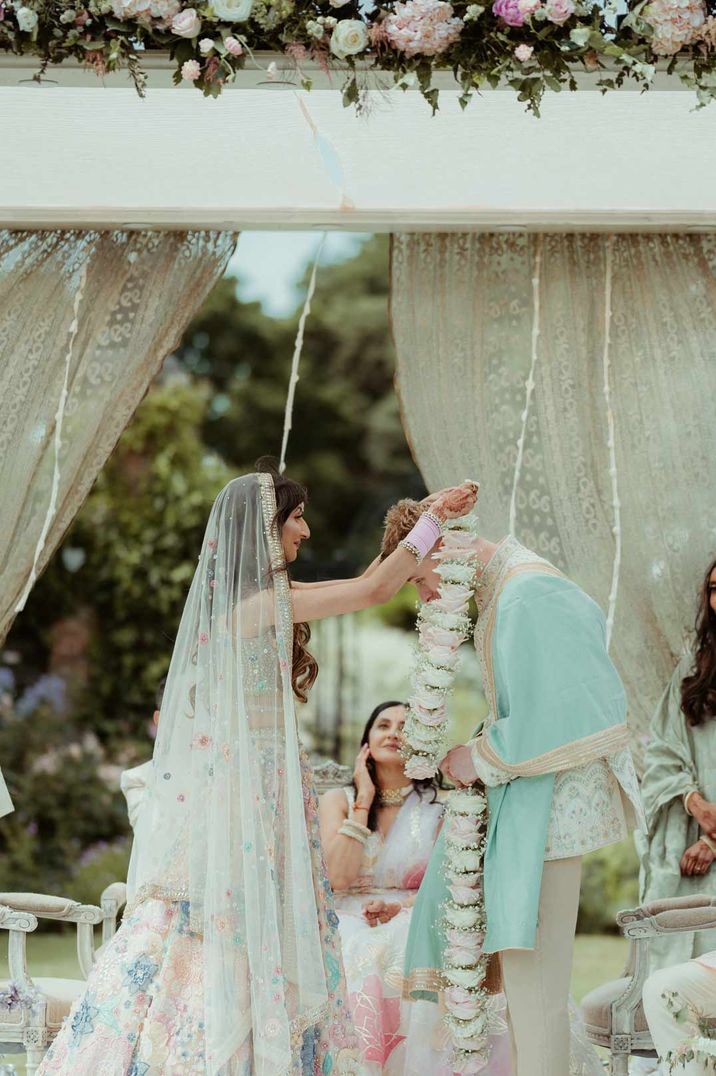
pixel 86 319
pixel 574 376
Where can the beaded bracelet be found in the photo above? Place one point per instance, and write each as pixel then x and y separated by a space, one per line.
pixel 355 831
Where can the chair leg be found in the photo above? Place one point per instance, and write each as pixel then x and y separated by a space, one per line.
pixel 33 1058
pixel 619 1064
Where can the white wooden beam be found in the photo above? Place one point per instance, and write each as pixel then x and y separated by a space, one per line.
pixel 93 156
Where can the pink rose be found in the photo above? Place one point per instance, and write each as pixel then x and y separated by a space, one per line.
pixel 434 636
pixel 462 828
pixel 524 53
pixel 186 24
pixel 466 939
pixel 509 12
pixel 190 72
pixel 529 7
pixel 233 46
pixel 558 11
pixel 420 768
pixel 463 894
pixel 428 717
pixel 460 955
pixel 461 1003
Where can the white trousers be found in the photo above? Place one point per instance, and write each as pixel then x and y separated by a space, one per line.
pixel 696 986
pixel 536 981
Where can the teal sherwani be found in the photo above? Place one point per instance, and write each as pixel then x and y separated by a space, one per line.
pixel 556 703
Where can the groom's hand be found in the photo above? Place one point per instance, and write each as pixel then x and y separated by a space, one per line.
pixel 458 767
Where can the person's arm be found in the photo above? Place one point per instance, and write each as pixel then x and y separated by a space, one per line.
pixel 383 580
pixel 334 582
pixel 343 851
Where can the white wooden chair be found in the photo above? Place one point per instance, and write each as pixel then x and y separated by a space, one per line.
pixel 613 1013
pixel 328 774
pixel 35 1007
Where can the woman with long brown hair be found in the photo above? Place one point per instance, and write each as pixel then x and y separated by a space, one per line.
pixel 227 962
pixel 679 785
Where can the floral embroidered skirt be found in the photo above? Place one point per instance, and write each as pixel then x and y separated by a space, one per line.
pixel 142 1011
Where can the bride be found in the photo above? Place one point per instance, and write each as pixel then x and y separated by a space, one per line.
pixel 227 962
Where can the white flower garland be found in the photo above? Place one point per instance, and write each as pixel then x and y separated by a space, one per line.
pixel 470 1019
pixel 443 625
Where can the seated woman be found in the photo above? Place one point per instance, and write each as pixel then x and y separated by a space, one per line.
pixel 377 837
pixel 679 787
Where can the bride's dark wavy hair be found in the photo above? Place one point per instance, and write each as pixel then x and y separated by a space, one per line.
pixel 698 691
pixel 431 784
pixel 289 495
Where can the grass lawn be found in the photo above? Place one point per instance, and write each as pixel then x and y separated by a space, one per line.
pixel 597 958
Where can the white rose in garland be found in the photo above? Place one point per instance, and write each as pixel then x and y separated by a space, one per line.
pixel 232 10
pixel 349 38
pixel 443 625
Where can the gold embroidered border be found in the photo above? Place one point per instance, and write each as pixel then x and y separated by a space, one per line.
pixel 282 589
pixel 424 979
pixel 574 754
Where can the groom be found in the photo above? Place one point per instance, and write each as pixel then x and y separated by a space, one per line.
pixel 560 782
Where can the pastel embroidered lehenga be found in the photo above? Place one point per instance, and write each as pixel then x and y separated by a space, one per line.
pixel 228 960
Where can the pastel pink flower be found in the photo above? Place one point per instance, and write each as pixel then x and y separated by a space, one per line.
pixel 430 635
pixel 420 768
pixel 422 27
pixel 461 1003
pixel 676 24
pixel 524 53
pixel 459 955
pixel 509 12
pixel 211 544
pixel 190 72
pixel 203 636
pixel 428 717
pixel 529 7
pixel 233 46
pixel 558 11
pixel 466 939
pixel 462 827
pixel 186 23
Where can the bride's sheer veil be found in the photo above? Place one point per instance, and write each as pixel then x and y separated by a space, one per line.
pixel 223 826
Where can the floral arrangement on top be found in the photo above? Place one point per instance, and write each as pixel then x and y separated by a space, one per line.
pixel 533 45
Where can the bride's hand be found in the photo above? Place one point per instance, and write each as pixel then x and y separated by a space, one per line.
pixel 380 911
pixel 365 789
pixel 455 501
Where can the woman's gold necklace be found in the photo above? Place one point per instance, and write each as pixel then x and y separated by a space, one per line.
pixel 393 797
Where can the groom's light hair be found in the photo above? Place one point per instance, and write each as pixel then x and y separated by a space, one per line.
pixel 399 521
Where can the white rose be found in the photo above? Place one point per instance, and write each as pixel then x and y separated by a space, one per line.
pixel 232 10
pixel 468 862
pixel 464 802
pixel 464 977
pixel 338 3
pixel 26 19
pixel 349 37
pixel 205 46
pixel 186 23
pixel 462 918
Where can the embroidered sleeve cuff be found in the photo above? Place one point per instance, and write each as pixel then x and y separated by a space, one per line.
pixel 490 775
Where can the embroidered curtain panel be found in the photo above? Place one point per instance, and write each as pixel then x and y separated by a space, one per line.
pixel 573 376
pixel 86 319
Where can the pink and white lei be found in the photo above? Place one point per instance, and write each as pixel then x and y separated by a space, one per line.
pixel 470 1017
pixel 443 625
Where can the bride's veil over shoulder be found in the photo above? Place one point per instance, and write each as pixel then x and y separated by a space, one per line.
pixel 223 826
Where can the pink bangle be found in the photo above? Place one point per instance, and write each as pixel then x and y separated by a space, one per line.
pixel 423 536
